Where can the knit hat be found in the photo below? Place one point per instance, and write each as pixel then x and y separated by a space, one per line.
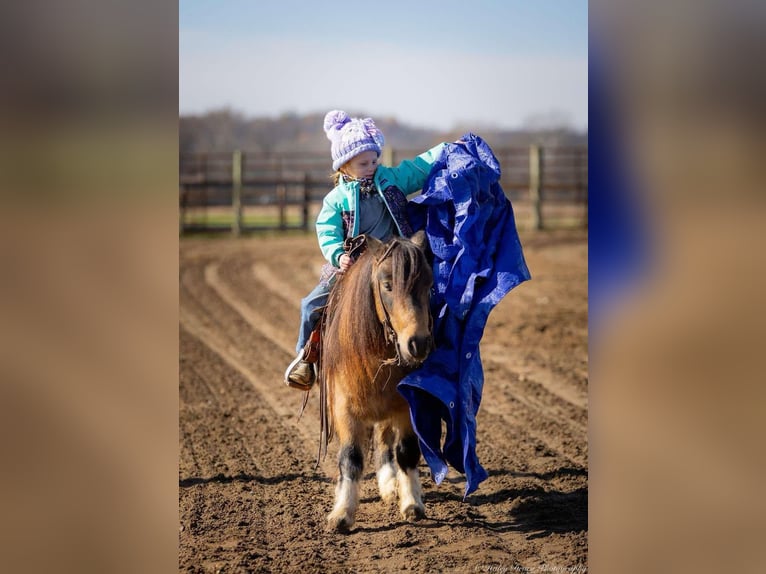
pixel 350 137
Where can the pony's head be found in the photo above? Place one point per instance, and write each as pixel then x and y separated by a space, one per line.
pixel 401 280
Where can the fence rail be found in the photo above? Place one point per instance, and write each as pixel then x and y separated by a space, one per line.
pixel 241 192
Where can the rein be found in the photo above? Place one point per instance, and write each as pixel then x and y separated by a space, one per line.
pixel 388 329
pixel 354 247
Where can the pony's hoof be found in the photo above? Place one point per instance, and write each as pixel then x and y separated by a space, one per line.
pixel 388 496
pixel 413 512
pixel 341 524
pixel 387 483
pixel 388 492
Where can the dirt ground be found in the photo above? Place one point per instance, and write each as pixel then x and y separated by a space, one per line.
pixel 250 499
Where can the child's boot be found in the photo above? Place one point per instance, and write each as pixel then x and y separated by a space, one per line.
pixel 300 374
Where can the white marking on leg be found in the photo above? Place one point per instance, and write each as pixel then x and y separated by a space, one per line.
pixel 410 494
pixel 346 502
pixel 387 482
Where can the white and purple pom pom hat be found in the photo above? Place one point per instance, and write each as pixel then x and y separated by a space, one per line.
pixel 350 137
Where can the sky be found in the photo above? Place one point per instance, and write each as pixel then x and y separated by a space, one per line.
pixel 469 64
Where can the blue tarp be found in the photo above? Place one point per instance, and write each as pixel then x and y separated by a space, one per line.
pixel 477 260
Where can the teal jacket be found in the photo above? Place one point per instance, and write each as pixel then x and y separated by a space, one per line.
pixel 337 219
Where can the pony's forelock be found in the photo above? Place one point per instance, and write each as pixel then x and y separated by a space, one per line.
pixel 408 264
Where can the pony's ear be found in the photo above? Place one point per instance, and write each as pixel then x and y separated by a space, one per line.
pixel 421 240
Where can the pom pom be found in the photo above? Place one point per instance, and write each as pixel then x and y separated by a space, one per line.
pixel 334 121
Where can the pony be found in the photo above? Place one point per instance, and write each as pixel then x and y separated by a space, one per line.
pixel 378 327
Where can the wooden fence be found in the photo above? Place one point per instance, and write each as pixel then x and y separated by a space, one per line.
pixel 243 192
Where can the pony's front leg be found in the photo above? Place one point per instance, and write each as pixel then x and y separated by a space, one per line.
pixel 350 466
pixel 408 477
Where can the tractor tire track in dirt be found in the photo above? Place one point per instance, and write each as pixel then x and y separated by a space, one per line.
pixel 250 497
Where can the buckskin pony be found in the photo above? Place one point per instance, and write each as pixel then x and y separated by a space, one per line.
pixel 378 328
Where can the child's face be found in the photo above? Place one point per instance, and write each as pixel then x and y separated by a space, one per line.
pixel 362 165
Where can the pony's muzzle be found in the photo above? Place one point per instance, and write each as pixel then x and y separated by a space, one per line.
pixel 419 347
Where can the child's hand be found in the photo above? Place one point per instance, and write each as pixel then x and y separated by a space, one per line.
pixel 345 262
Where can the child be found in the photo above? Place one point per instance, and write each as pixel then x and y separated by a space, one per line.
pixel 367 199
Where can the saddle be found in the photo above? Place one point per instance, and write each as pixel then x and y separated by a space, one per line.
pixel 312 348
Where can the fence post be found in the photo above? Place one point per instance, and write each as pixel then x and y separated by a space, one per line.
pixel 387 156
pixel 236 192
pixel 536 185
pixel 306 199
pixel 282 202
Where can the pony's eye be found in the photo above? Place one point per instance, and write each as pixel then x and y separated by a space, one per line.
pixel 387 285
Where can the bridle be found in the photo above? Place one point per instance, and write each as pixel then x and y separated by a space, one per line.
pixel 354 247
pixel 391 336
pixel 388 329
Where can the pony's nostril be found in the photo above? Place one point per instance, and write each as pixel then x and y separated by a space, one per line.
pixel 419 346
